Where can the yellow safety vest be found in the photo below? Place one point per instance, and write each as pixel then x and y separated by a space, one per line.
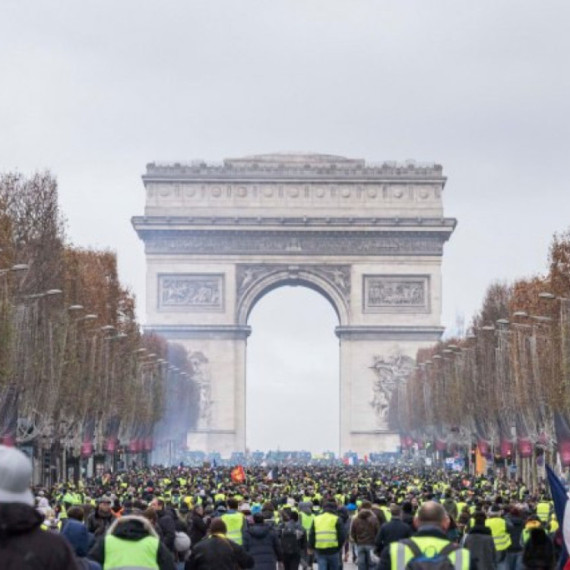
pixel 325 531
pixel 499 532
pixel 401 554
pixel 234 525
pixel 543 511
pixel 387 513
pixel 140 554
pixel 307 521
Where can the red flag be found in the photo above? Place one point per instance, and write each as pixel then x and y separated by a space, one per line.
pixel 238 474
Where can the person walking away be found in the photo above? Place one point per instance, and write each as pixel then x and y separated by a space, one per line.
pixel 262 544
pixel 76 533
pixel 293 541
pixel 515 524
pixel 217 551
pixel 101 518
pixel 500 533
pixel 131 541
pixel 480 544
pixel 23 544
pixel 450 505
pixel 327 537
pixel 306 518
pixel 196 525
pixel 363 531
pixel 392 531
pixel 235 522
pixel 428 543
pixel 166 522
pixel 538 553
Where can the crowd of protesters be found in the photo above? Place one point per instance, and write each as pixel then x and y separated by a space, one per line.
pixel 384 517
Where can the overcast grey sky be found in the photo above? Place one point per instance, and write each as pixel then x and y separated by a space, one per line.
pixel 93 90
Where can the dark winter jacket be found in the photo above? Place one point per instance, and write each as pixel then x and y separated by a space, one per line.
pixel 299 531
pixel 218 552
pixel 390 532
pixel 515 530
pixel 538 553
pixel 481 546
pixel 198 528
pixel 365 527
pixel 23 544
pixel 133 528
pixel 97 524
pixel 261 542
pixel 78 537
pixel 167 524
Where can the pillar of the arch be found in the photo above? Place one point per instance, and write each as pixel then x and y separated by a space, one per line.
pixel 218 360
pixel 374 362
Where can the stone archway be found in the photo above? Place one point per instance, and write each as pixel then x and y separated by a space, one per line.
pixel 367 237
pixel 255 280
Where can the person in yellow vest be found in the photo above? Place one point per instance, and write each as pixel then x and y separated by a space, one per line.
pixel 500 533
pixel 306 518
pixel 132 542
pixel 234 521
pixel 216 551
pixel 432 522
pixel 326 537
pixel 544 512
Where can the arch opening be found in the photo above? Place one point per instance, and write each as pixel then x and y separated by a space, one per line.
pixel 292 399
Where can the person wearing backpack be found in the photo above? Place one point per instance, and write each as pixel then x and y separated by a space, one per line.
pixel 428 549
pixel 293 541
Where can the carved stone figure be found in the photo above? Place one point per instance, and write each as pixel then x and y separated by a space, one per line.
pixel 390 373
pixel 201 376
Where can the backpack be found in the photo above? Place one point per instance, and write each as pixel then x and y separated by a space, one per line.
pixel 289 542
pixel 422 561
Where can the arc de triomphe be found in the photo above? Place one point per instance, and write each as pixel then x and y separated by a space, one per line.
pixel 368 237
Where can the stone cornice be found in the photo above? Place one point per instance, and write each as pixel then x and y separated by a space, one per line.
pixel 150 222
pixel 226 332
pixel 393 333
pixel 294 167
pixel 293 242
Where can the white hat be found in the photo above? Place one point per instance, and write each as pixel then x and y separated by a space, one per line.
pixel 15 477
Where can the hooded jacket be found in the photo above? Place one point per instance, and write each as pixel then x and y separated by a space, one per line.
pixel 364 527
pixel 78 537
pixel 218 552
pixel 481 546
pixel 262 544
pixel 133 528
pixel 23 544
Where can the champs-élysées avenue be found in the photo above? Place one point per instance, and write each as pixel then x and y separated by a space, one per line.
pixel 284 285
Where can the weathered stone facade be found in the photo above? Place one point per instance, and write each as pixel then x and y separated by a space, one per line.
pixel 367 237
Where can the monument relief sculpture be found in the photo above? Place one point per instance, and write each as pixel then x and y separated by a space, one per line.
pixel 201 376
pixel 391 372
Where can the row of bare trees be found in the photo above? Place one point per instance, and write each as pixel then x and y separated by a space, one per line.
pixel 75 370
pixel 507 382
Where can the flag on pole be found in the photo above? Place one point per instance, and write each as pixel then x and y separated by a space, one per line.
pixel 238 474
pixel 560 499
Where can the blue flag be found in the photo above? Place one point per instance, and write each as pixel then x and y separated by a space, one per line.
pixel 560 499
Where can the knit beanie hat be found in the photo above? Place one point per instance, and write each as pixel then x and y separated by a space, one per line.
pixel 15 477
